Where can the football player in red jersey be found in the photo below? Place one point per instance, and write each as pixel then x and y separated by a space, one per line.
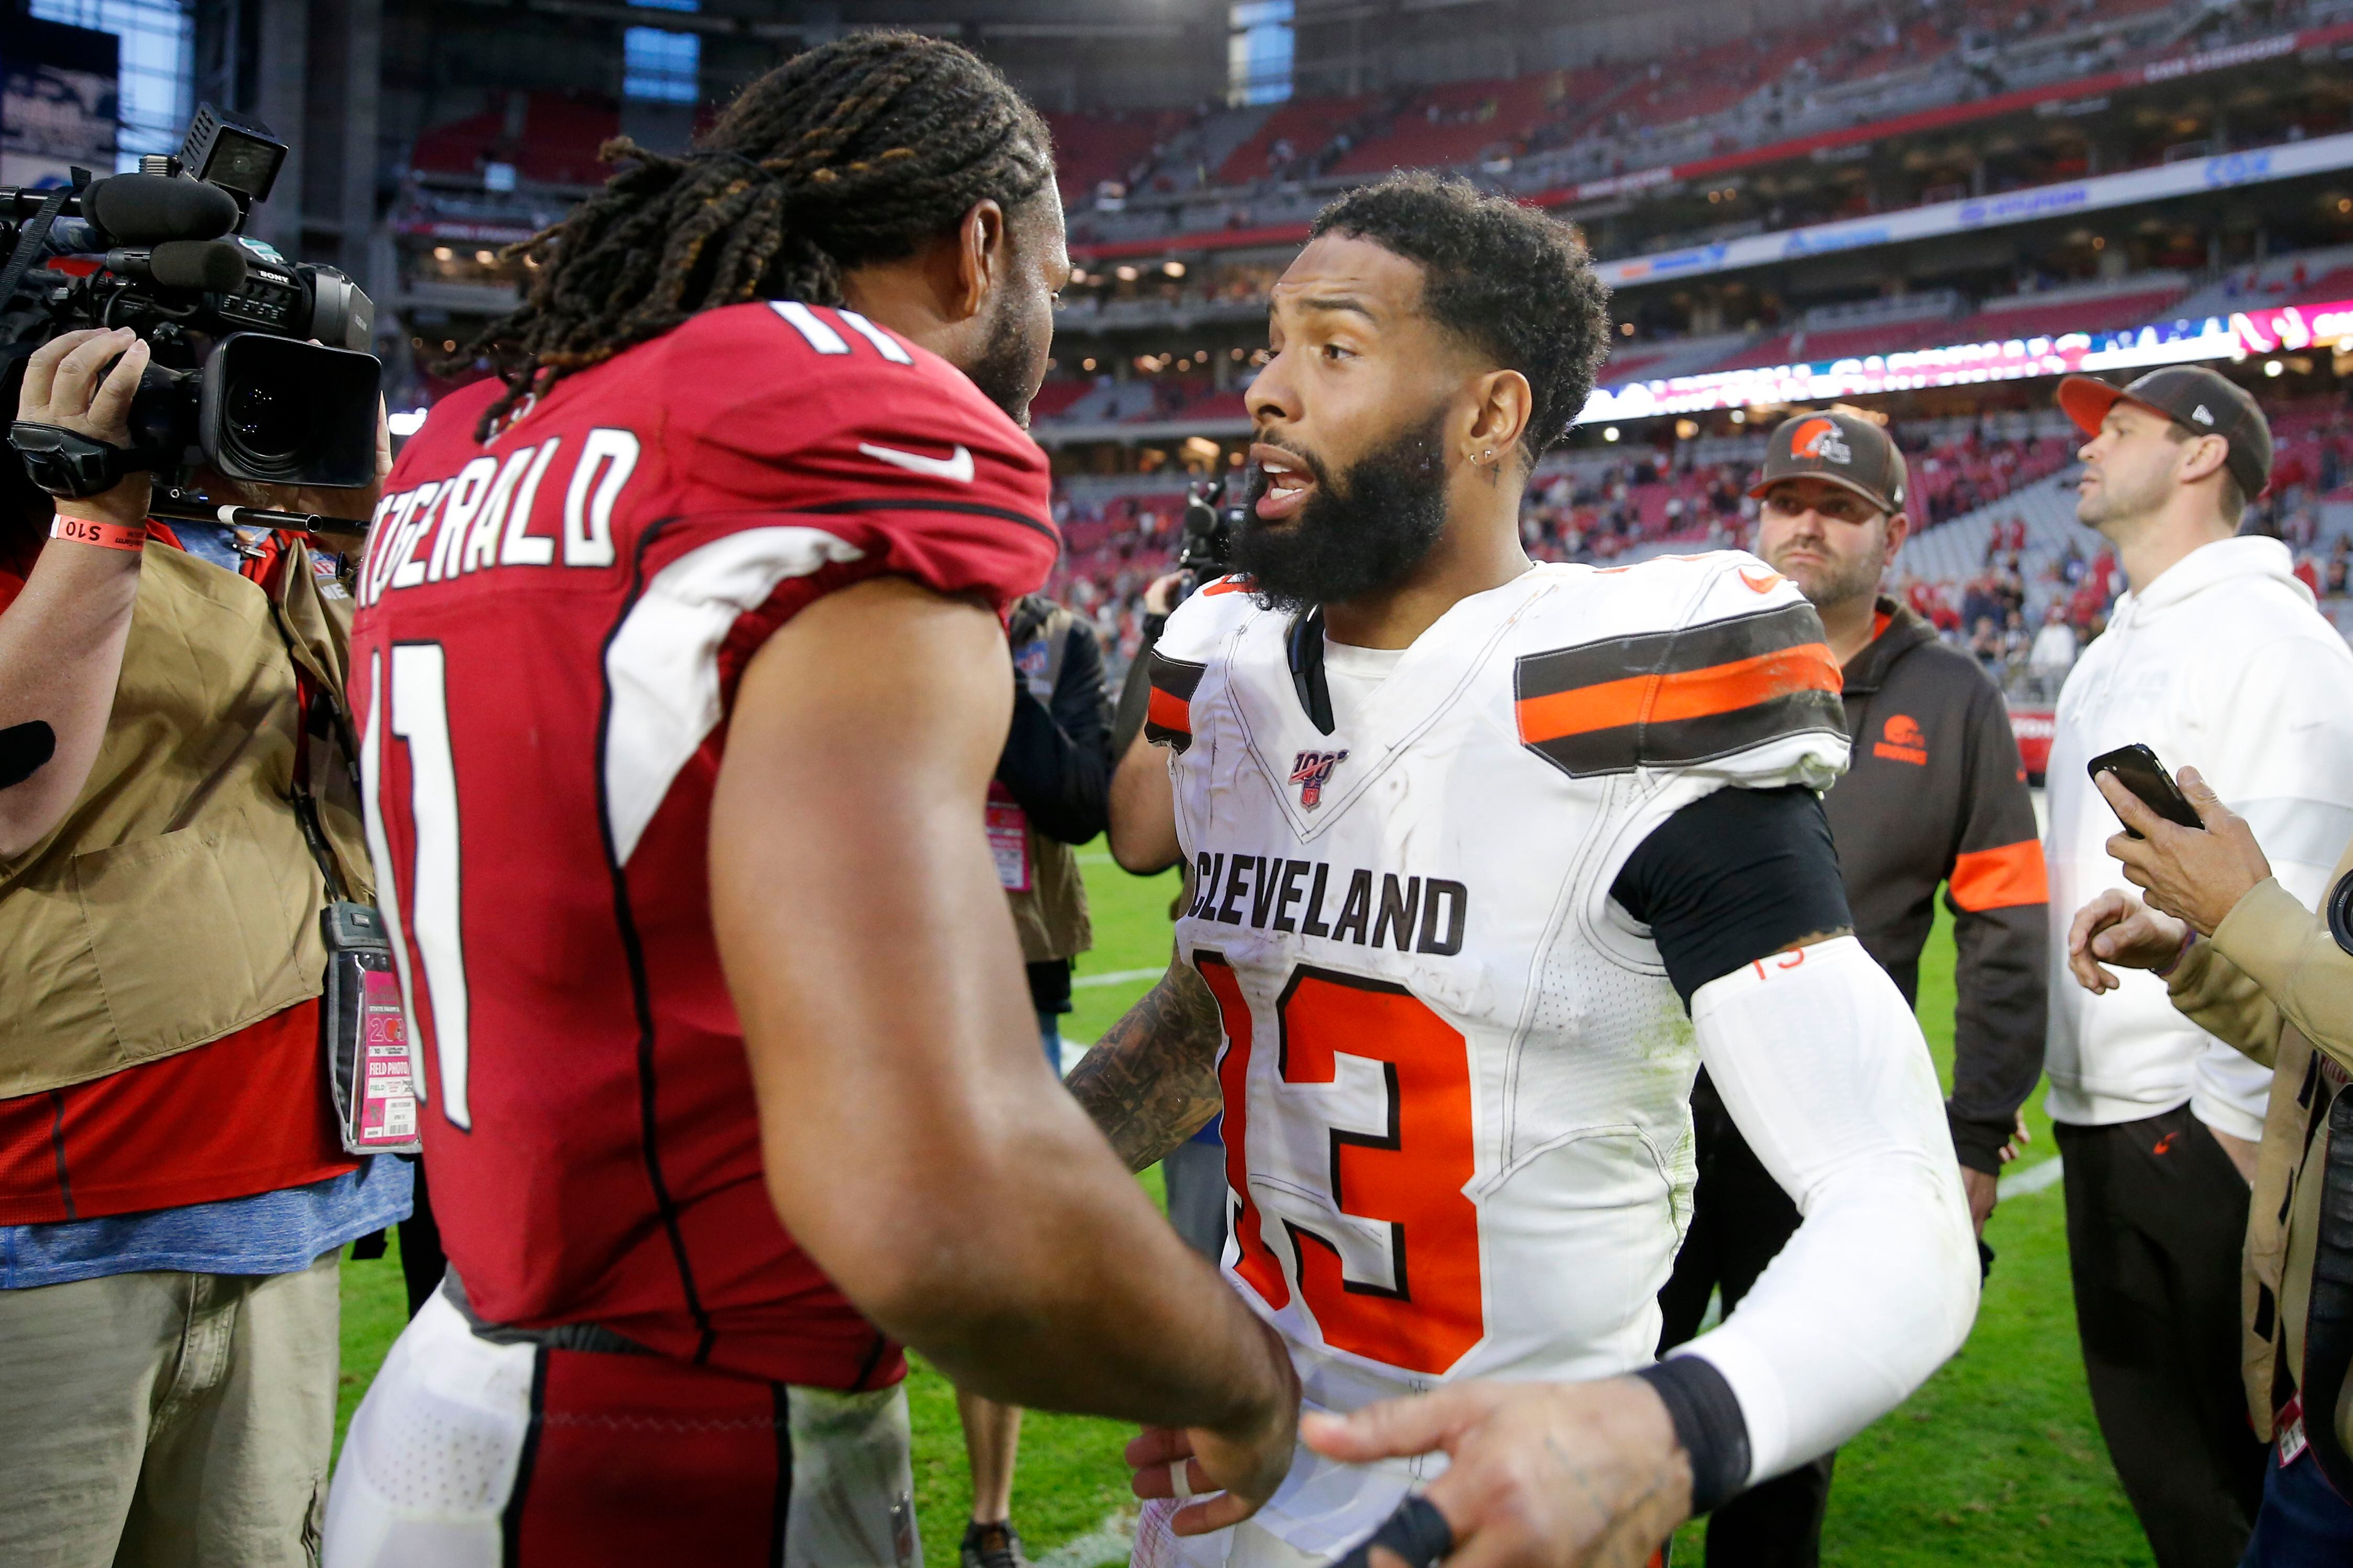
pixel 679 678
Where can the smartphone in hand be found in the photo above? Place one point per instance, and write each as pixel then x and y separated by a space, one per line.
pixel 2137 769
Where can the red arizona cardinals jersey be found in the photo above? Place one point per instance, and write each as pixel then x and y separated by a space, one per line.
pixel 550 629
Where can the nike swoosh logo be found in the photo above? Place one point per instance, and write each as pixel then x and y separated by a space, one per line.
pixel 956 467
pixel 1770 580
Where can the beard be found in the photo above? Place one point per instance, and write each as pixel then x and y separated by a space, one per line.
pixel 1359 535
pixel 2119 498
pixel 1008 369
pixel 1836 582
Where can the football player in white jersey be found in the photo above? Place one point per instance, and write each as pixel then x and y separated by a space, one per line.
pixel 1485 858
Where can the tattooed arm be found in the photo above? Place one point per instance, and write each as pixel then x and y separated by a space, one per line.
pixel 1151 1082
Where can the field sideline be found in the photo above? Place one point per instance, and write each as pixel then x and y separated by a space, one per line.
pixel 1995 1463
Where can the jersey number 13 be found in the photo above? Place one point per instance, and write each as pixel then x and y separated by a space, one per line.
pixel 1409 1178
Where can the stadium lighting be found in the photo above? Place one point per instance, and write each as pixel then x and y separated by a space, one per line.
pixel 1174 268
pixel 442 253
pixel 485 256
pixel 1610 434
pixel 1086 365
pixel 2273 367
pixel 1740 417
pixel 1125 274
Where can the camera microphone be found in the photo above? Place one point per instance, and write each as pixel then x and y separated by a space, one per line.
pixel 148 209
pixel 216 266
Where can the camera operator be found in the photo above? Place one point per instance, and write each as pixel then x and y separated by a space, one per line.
pixel 174 1193
pixel 2244 960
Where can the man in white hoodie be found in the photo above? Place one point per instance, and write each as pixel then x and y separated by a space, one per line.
pixel 2216 657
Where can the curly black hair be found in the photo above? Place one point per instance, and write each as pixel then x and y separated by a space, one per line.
pixel 1516 285
pixel 856 152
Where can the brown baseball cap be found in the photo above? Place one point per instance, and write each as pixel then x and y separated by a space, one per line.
pixel 2203 402
pixel 1841 448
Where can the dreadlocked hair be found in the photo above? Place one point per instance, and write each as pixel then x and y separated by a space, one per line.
pixel 855 151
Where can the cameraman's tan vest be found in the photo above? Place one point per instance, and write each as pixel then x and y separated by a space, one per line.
pixel 176 902
pixel 1052 915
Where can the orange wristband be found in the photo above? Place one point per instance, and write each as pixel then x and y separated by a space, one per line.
pixel 107 535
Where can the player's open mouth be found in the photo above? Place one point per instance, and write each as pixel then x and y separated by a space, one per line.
pixel 1288 481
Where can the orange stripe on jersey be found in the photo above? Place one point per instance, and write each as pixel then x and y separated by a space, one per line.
pixel 2001 877
pixel 1689 694
pixel 1169 711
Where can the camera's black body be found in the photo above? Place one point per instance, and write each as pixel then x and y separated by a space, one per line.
pixel 1212 517
pixel 235 380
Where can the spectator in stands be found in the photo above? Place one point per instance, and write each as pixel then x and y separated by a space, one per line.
pixel 2053 653
pixel 1986 647
pixel 1051 791
pixel 2215 654
pixel 1934 796
pixel 2244 959
pixel 176 1196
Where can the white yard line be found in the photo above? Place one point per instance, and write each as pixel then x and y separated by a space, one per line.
pixel 2034 1179
pixel 1109 1541
pixel 1118 976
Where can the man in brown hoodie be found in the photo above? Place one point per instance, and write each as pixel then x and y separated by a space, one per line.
pixel 1934 795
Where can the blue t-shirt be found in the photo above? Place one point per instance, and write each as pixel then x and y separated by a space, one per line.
pixel 270 1233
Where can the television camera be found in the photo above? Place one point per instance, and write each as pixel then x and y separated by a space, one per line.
pixel 259 367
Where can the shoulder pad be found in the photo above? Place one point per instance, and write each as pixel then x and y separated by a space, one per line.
pixel 1714 662
pixel 1196 630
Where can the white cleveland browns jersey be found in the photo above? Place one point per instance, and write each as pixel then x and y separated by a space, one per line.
pixel 1456 1077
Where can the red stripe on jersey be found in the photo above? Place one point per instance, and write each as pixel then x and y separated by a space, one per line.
pixel 1169 711
pixel 1256 1262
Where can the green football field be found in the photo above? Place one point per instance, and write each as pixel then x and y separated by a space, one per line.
pixel 1996 1462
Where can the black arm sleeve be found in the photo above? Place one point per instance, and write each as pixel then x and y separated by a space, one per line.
pixel 1057 761
pixel 1136 692
pixel 1733 876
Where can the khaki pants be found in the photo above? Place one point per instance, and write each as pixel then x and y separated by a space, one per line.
pixel 160 1420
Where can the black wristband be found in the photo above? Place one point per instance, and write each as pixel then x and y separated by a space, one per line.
pixel 1152 625
pixel 67 463
pixel 1417 1532
pixel 1708 1424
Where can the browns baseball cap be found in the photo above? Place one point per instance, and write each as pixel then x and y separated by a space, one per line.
pixel 1839 447
pixel 2201 401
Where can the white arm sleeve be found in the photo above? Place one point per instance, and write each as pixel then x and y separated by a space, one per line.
pixel 1826 1074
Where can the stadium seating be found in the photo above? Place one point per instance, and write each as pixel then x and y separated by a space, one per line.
pixel 1459 122
pixel 1056 396
pixel 549 138
pixel 1089 149
pixel 2028 316
pixel 1305 125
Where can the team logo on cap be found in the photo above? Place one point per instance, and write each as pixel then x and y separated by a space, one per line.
pixel 1311 771
pixel 1821 440
pixel 2201 414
